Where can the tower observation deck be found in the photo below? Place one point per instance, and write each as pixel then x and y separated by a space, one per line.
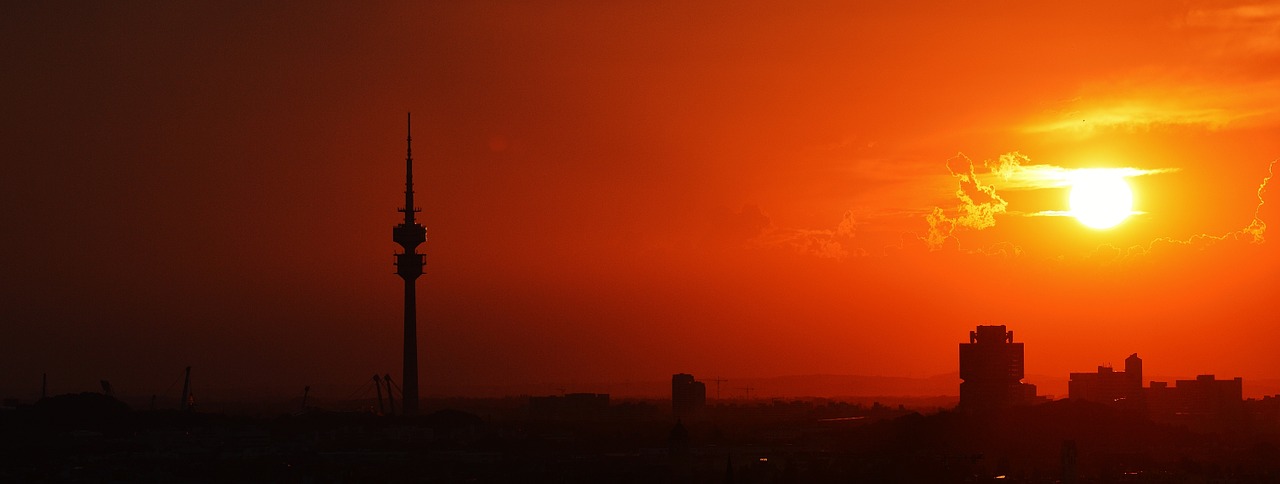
pixel 409 264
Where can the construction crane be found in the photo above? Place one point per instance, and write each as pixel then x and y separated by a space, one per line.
pixel 185 403
pixel 377 387
pixel 718 381
pixel 391 399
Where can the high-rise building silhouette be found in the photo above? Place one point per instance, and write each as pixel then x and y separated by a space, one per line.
pixel 1203 403
pixel 1109 386
pixel 991 367
pixel 688 396
pixel 409 265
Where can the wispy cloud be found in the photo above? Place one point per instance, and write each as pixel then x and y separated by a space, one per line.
pixel 977 207
pixel 750 227
pixel 978 204
pixel 1248 28
pixel 823 243
pixel 1012 171
pixel 1147 102
pixel 1141 115
pixel 1252 233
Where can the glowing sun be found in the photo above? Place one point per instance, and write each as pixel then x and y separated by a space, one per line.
pixel 1100 199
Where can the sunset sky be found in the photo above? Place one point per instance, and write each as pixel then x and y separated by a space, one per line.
pixel 619 191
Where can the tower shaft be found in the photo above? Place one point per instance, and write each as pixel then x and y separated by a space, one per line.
pixel 410 376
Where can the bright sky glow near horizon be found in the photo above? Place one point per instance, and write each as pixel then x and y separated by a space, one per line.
pixel 620 191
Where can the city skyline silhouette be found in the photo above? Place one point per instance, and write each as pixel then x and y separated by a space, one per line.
pixel 669 241
pixel 602 215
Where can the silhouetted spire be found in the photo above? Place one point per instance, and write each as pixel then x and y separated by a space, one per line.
pixel 409 266
pixel 409 210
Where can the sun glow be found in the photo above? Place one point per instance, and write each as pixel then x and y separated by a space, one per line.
pixel 1100 198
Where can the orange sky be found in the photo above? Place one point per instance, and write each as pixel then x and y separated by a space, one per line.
pixel 619 191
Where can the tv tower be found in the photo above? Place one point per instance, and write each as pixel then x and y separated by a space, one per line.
pixel 409 266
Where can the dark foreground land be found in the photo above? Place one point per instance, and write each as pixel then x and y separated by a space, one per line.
pixel 93 438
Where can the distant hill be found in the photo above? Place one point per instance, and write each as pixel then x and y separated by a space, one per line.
pixel 848 387
pixel 735 387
